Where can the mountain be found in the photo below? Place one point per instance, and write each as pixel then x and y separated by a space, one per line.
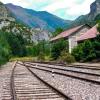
pixel 9 24
pixel 41 19
pixel 90 17
pixel 4 12
pixel 5 16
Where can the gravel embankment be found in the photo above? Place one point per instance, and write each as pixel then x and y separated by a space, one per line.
pixel 73 69
pixel 74 88
pixel 5 73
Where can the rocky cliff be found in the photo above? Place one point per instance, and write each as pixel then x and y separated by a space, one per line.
pixel 90 17
pixel 10 24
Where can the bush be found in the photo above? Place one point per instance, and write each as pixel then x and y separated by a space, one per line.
pixel 57 31
pixel 41 57
pixel 58 47
pixel 4 49
pixel 66 57
pixel 88 50
pixel 32 50
pixel 16 43
pixel 35 49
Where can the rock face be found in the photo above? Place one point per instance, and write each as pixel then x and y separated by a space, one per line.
pixel 9 24
pixel 38 34
pixel 5 17
pixel 41 19
pixel 94 9
pixel 89 18
pixel 3 11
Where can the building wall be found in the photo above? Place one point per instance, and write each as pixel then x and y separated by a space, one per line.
pixel 72 43
pixel 73 38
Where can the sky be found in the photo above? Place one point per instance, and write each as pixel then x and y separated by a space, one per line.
pixel 66 9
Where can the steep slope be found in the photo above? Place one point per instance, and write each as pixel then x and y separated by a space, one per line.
pixel 89 18
pixel 40 19
pixel 10 25
pixel 4 12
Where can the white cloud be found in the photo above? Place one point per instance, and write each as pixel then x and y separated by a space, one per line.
pixel 78 9
pixel 59 4
pixel 71 7
pixel 22 3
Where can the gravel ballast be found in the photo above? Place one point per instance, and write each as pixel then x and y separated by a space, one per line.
pixel 5 73
pixel 74 88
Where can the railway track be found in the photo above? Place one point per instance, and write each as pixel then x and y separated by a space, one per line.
pixel 26 85
pixel 85 76
pixel 70 69
pixel 72 65
pixel 6 75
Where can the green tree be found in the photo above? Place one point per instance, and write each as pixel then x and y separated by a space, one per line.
pixel 57 31
pixel 58 47
pixel 88 50
pixel 16 44
pixel 97 18
pixel 96 45
pixel 4 49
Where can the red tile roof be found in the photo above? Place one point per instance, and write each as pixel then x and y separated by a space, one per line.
pixel 92 33
pixel 66 33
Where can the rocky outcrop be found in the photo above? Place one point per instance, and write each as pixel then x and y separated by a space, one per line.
pixel 3 11
pixel 90 17
pixel 9 24
pixel 39 34
pixel 94 10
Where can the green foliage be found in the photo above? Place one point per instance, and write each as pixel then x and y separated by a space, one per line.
pixel 32 50
pixel 4 49
pixel 88 50
pixel 16 43
pixel 58 47
pixel 44 47
pixel 97 18
pixel 96 45
pixel 78 52
pixel 41 57
pixel 41 47
pixel 98 26
pixel 66 57
pixel 57 31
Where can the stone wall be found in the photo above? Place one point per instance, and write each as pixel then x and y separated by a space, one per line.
pixel 73 38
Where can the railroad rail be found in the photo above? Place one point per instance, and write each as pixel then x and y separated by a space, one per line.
pixel 88 76
pixel 67 69
pixel 26 85
pixel 71 65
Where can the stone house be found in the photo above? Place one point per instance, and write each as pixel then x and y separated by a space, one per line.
pixel 71 35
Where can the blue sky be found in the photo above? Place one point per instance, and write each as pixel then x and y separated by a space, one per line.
pixel 66 9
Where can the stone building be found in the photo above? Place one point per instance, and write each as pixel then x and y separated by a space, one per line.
pixel 71 35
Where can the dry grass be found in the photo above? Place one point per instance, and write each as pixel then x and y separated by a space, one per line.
pixel 23 59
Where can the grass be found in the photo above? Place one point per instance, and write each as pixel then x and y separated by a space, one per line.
pixel 23 59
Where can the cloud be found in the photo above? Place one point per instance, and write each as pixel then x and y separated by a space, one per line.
pixel 22 3
pixel 71 9
pixel 62 8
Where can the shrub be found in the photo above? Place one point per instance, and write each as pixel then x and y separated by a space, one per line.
pixel 4 49
pixel 57 31
pixel 41 57
pixel 16 44
pixel 66 57
pixel 58 47
pixel 31 51
pixel 78 52
pixel 88 50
